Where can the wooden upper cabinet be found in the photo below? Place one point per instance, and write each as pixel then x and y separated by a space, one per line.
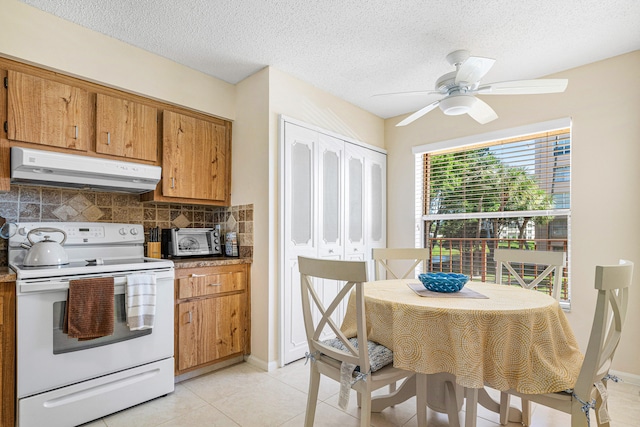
pixel 126 128
pixel 195 158
pixel 46 112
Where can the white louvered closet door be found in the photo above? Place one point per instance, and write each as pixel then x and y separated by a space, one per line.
pixel 334 208
pixel 331 218
pixel 355 203
pixel 375 188
pixel 300 210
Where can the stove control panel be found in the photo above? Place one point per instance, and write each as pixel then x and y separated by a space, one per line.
pixel 94 232
pixel 83 233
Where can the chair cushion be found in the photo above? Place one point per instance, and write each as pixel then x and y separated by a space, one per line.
pixel 379 355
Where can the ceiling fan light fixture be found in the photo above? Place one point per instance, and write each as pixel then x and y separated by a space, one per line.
pixel 456 105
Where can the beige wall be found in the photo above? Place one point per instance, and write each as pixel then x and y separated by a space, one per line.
pixel 603 100
pixel 299 100
pixel 250 183
pixel 35 37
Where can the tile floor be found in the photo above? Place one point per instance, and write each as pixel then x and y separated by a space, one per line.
pixel 242 395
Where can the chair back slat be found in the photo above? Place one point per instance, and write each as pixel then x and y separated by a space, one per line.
pixel 555 262
pixel 351 274
pixel 382 256
pixel 612 283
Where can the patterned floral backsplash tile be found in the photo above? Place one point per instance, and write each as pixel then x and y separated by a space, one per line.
pixel 39 204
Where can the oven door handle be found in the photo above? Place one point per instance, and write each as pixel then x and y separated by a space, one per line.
pixel 119 283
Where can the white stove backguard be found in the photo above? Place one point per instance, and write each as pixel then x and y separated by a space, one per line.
pixel 85 240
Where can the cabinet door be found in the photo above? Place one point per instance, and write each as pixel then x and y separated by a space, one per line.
pixel 211 284
pixel 126 128
pixel 210 329
pixel 49 113
pixel 7 353
pixel 194 158
pixel 5 151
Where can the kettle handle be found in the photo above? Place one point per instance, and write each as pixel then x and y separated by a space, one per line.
pixel 48 230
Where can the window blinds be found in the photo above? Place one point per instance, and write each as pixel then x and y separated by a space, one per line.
pixel 523 176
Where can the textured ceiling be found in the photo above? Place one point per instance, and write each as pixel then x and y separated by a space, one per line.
pixel 355 49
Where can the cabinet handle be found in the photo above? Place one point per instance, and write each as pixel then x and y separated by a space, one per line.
pixel 173 182
pixel 108 138
pixel 214 284
pixel 197 275
pixel 190 317
pixel 76 132
pixel 330 251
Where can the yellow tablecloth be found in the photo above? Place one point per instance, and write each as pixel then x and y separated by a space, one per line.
pixel 515 339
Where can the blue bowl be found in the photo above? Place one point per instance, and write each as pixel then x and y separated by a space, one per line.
pixel 443 282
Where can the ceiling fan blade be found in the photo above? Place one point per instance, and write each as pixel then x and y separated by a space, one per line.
pixel 474 69
pixel 481 112
pixel 419 113
pixel 409 93
pixel 524 87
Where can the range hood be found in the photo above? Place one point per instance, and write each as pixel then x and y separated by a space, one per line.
pixel 53 169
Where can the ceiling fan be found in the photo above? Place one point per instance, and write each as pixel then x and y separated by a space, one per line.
pixel 459 88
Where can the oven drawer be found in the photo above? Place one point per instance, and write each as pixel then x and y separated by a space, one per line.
pixel 210 281
pixel 83 402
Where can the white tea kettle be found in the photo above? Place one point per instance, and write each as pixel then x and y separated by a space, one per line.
pixel 46 252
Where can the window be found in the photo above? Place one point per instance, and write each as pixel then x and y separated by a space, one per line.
pixel 511 192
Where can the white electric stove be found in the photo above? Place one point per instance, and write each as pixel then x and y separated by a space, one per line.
pixel 63 381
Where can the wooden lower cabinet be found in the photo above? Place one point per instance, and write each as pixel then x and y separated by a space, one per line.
pixel 7 353
pixel 212 315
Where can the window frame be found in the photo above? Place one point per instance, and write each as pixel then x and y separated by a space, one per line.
pixel 421 215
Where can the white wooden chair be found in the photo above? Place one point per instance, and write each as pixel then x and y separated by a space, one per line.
pixel 326 356
pixel 555 262
pixel 612 283
pixel 382 269
pixel 382 256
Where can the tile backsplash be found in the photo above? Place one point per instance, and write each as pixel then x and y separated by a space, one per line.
pixel 38 204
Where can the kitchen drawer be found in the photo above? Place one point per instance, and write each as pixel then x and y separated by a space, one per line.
pixel 199 282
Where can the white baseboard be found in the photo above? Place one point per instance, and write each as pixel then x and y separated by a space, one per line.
pixel 626 377
pixel 261 364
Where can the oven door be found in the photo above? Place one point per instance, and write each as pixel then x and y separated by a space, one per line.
pixel 48 359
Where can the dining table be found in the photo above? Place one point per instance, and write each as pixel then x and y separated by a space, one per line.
pixel 500 336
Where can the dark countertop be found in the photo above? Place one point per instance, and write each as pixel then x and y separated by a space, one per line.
pixel 209 262
pixel 7 275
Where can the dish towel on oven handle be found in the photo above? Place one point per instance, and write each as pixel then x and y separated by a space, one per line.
pixel 89 312
pixel 141 301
